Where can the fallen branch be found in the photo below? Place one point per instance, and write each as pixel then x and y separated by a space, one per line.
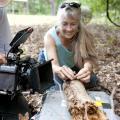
pixel 81 106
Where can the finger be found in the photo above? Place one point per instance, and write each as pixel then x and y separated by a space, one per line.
pixel 72 73
pixel 85 74
pixel 70 70
pixel 66 73
pixel 61 75
pixel 82 71
pixel 86 79
pixel 2 55
pixel 2 60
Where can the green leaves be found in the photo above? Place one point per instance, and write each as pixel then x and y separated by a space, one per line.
pixel 47 7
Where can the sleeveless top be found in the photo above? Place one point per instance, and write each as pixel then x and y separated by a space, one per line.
pixel 65 57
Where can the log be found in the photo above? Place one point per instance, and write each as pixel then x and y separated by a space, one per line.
pixel 80 105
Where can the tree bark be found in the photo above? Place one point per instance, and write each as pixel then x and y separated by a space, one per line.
pixel 52 4
pixel 81 106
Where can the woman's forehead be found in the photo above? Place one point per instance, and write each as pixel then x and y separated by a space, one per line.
pixel 69 17
pixel 74 13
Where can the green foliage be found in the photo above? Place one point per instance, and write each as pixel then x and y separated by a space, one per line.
pixel 114 10
pixel 98 7
pixel 39 7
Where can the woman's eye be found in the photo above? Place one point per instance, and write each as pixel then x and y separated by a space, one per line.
pixel 73 24
pixel 64 24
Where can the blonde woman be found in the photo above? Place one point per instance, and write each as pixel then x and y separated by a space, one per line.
pixel 70 46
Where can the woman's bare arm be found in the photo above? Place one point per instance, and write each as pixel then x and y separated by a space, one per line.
pixel 63 72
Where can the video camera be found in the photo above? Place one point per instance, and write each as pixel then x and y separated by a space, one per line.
pixel 24 73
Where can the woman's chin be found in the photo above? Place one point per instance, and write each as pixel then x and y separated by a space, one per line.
pixel 69 36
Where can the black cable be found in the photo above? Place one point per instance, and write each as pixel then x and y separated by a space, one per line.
pixel 108 16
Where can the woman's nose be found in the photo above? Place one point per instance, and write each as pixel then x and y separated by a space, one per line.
pixel 69 27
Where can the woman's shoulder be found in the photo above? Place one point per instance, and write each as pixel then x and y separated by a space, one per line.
pixel 51 31
pixel 52 34
pixel 48 38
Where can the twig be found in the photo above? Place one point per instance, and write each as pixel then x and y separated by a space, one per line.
pixel 111 98
pixel 86 115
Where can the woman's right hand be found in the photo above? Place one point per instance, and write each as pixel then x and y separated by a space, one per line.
pixel 2 58
pixel 65 73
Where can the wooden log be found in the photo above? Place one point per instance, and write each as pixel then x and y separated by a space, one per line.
pixel 80 105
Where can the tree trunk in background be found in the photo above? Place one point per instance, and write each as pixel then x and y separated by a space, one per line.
pixel 52 4
pixel 81 106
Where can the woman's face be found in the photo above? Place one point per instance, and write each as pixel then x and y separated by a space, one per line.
pixel 68 26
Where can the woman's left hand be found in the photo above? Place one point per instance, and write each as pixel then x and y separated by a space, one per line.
pixel 84 75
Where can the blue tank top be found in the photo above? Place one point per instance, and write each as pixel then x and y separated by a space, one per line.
pixel 65 57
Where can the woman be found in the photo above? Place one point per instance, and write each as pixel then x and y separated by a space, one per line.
pixel 70 46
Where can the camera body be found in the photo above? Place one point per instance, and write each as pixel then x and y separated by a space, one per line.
pixel 7 78
pixel 24 73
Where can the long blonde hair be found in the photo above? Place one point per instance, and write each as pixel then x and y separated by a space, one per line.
pixel 84 48
pixel 83 45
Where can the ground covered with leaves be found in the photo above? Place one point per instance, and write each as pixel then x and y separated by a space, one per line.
pixel 108 49
pixel 107 41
